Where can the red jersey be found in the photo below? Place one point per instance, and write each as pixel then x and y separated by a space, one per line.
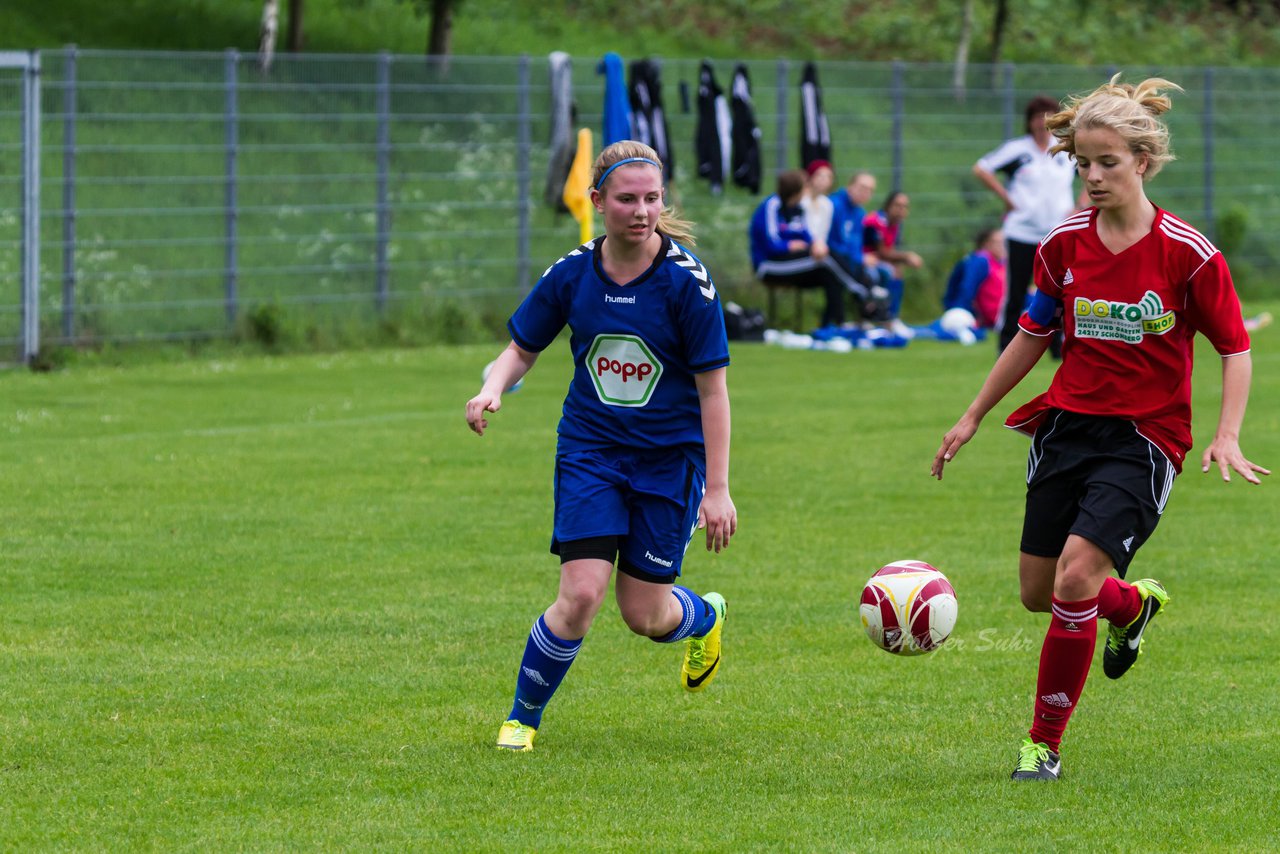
pixel 1128 321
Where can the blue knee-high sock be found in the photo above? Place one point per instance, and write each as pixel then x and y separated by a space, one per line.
pixel 546 660
pixel 896 287
pixel 698 617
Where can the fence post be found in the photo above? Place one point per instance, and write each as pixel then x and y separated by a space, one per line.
pixel 782 115
pixel 897 123
pixel 1009 96
pixel 69 194
pixel 232 58
pixel 31 207
pixel 384 166
pixel 523 179
pixel 1209 223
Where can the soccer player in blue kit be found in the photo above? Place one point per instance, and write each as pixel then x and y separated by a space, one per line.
pixel 642 459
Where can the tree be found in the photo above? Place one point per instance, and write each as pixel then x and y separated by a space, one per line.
pixel 270 26
pixel 294 39
pixel 998 28
pixel 962 51
pixel 440 36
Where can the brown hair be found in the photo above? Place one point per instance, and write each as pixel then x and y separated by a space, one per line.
pixel 669 223
pixel 790 182
pixel 1132 111
pixel 1038 106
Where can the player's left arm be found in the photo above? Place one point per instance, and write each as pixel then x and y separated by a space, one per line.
pixel 717 513
pixel 1237 373
pixel 1214 308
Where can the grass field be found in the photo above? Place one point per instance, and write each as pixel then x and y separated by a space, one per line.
pixel 277 603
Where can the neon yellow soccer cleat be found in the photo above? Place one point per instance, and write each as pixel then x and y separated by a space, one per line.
pixel 702 655
pixel 1037 762
pixel 516 736
pixel 1124 643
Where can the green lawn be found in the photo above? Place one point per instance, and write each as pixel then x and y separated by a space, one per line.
pixel 278 603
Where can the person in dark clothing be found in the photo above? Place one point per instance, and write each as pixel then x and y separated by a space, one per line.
pixel 781 249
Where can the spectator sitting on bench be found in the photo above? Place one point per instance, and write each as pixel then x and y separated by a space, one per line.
pixel 975 290
pixel 849 209
pixel 817 207
pixel 881 232
pixel 781 250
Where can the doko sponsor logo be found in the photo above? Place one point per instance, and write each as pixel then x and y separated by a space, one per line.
pixel 1122 321
pixel 623 369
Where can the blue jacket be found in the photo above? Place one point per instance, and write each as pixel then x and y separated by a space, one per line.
pixel 617 108
pixel 772 227
pixel 846 227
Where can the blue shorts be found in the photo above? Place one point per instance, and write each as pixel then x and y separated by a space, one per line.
pixel 648 499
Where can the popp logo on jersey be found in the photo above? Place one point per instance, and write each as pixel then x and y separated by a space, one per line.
pixel 624 370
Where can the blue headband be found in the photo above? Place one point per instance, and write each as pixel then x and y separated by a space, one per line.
pixel 600 183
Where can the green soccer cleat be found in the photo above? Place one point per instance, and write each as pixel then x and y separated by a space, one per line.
pixel 1037 762
pixel 516 736
pixel 702 655
pixel 1124 643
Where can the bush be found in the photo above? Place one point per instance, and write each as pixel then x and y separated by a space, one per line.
pixel 264 325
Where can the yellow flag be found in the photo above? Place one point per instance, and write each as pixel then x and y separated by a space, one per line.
pixel 577 187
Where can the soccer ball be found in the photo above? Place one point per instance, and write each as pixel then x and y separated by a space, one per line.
pixel 908 608
pixel 484 377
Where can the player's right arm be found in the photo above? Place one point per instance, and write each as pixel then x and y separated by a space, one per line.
pixel 1014 363
pixel 533 326
pixel 509 369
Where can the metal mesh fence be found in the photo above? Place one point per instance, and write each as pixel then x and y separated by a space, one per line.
pixel 180 190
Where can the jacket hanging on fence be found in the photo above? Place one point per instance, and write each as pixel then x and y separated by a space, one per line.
pixel 712 135
pixel 648 118
pixel 617 116
pixel 815 134
pixel 561 143
pixel 577 187
pixel 746 133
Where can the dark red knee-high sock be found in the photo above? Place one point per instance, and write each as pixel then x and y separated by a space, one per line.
pixel 1064 666
pixel 1118 601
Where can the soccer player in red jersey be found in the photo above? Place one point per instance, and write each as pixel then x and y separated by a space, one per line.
pixel 1129 284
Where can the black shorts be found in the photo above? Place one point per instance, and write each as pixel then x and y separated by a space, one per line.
pixel 1095 477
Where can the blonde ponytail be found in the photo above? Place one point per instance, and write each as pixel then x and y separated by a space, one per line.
pixel 1132 111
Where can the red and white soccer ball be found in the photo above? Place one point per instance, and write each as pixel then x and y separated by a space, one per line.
pixel 908 608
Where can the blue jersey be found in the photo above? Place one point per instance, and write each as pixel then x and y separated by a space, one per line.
pixel 636 348
pixel 846 226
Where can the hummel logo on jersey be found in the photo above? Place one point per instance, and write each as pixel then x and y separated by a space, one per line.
pixel 1128 543
pixel 535 676
pixel 1068 278
pixel 659 561
pixel 1061 700
pixel 625 300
